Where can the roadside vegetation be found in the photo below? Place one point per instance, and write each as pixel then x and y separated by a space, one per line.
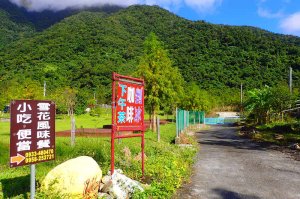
pixel 268 118
pixel 167 165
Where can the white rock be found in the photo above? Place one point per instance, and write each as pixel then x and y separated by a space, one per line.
pixel 122 186
pixel 106 179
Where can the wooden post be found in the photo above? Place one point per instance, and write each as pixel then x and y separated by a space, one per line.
pixel 72 130
pixel 158 128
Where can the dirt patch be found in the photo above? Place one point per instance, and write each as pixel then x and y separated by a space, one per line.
pixel 295 154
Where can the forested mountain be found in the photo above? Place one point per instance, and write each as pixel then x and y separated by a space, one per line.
pixel 82 50
pixel 17 22
pixel 12 30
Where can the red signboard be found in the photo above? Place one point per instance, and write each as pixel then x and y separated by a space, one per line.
pixel 127 110
pixel 32 132
pixel 129 106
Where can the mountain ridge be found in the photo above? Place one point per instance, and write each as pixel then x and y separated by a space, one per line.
pixel 88 46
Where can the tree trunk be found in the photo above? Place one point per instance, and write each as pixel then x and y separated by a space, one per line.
pixel 154 127
pixel 153 119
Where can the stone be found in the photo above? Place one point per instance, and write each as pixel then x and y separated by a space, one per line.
pixel 295 146
pixel 106 179
pixel 122 187
pixel 107 186
pixel 76 178
pixel 101 186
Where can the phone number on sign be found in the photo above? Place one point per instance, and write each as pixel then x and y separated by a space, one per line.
pixel 37 156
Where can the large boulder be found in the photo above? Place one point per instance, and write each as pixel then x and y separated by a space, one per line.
pixel 76 178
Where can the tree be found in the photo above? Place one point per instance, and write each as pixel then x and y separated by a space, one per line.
pixel 15 89
pixel 163 82
pixel 281 99
pixel 264 103
pixel 259 104
pixel 196 99
pixel 65 99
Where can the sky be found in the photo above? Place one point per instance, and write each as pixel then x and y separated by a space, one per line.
pixel 278 16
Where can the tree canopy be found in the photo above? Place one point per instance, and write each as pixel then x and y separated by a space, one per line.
pixel 163 82
pixel 82 51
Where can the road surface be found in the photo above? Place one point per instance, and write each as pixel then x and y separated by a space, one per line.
pixel 230 167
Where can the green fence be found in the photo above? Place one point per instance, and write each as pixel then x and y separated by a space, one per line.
pixel 184 119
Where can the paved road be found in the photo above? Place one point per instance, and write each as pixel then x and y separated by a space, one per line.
pixel 230 167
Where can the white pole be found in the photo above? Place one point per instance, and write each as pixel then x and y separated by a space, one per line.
pixel 72 130
pixel 44 88
pixel 32 181
pixel 158 128
pixel 291 80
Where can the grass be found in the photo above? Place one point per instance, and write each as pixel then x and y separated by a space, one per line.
pixel 63 122
pixel 167 164
pixel 279 133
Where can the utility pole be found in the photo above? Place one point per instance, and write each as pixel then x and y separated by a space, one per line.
pixel 241 93
pixel 291 80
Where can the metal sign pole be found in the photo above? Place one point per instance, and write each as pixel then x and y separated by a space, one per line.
pixel 113 104
pixel 32 181
pixel 127 111
pixel 143 154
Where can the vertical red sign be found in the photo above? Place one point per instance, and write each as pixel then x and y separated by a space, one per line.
pixel 129 106
pixel 32 132
pixel 127 111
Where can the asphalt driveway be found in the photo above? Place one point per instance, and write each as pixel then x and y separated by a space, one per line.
pixel 230 167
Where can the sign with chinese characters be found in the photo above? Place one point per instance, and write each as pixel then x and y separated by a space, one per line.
pixel 32 132
pixel 127 112
pixel 129 105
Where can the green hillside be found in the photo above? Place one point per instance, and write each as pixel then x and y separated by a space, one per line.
pixel 82 50
pixel 11 30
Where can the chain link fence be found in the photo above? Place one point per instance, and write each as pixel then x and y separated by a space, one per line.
pixel 186 119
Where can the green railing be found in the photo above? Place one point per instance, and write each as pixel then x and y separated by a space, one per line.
pixel 185 119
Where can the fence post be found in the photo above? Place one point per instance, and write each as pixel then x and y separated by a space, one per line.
pixel 184 122
pixel 194 117
pixel 199 119
pixel 177 122
pixel 73 129
pixel 158 128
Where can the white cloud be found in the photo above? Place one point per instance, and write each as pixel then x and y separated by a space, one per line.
pixel 203 6
pixel 173 5
pixel 268 14
pixel 39 5
pixel 291 24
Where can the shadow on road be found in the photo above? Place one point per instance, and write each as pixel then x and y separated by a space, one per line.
pixel 226 194
pixel 224 138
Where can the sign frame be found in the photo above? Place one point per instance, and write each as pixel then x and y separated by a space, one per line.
pixel 32 132
pixel 117 126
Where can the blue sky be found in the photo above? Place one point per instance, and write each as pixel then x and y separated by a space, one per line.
pixel 279 16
